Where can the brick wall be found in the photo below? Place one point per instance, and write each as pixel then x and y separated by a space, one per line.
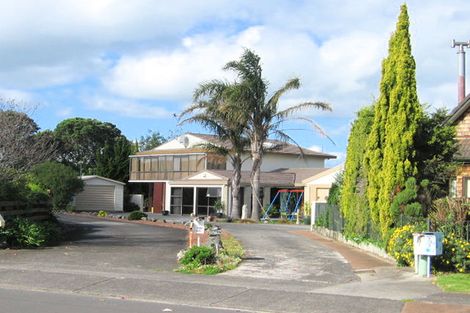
pixel 463 172
pixel 463 126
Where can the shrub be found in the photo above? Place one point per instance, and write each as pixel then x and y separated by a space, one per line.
pixel 455 255
pixel 197 256
pixel 136 215
pixel 61 181
pixel 400 245
pixel 24 233
pixel 102 213
pixel 130 207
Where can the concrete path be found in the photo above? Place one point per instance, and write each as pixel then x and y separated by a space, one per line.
pixel 284 272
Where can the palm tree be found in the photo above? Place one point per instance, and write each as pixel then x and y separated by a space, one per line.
pixel 263 119
pixel 209 110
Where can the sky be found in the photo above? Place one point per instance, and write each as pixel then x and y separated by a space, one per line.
pixel 136 63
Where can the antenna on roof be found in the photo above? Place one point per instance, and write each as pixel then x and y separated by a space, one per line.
pixel 461 80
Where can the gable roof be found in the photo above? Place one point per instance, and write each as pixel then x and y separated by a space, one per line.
pixel 459 110
pixel 281 147
pixel 88 177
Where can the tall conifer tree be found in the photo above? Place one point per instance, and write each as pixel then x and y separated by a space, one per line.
pixel 397 113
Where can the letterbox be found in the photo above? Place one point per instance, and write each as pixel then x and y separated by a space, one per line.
pixel 428 243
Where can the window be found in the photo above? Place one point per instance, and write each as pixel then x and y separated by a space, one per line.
pixel 453 188
pixel 466 187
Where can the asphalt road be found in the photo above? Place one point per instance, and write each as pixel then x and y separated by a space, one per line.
pixel 15 301
pixel 283 272
pixel 100 245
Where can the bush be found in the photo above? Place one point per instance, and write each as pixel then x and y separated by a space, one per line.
pixel 24 233
pixel 130 207
pixel 197 256
pixel 102 213
pixel 61 181
pixel 136 215
pixel 400 245
pixel 455 255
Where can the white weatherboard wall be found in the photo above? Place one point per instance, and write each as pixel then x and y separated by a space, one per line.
pixel 100 194
pixel 273 161
pixel 317 187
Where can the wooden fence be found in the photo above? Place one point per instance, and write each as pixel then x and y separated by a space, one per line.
pixel 12 209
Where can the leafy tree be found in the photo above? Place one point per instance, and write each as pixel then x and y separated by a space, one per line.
pixel 263 118
pixel 435 146
pixel 397 114
pixel 81 139
pixel 60 180
pixel 353 203
pixel 112 161
pixel 210 111
pixel 21 147
pixel 151 140
pixel 405 202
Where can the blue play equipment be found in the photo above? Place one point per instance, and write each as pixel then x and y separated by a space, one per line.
pixel 290 200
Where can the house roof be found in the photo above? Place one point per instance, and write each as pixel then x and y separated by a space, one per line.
pixel 278 146
pixel 88 177
pixel 459 110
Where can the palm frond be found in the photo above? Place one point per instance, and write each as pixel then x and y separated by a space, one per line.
pixel 302 106
pixel 289 85
pixel 316 127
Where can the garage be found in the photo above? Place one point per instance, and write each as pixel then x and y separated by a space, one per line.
pixel 100 193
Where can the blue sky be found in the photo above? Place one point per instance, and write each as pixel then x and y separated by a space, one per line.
pixel 135 63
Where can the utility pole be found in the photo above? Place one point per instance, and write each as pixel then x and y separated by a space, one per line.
pixel 461 80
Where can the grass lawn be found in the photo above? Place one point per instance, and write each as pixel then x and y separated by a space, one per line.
pixel 454 282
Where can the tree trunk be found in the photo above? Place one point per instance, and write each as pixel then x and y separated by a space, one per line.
pixel 236 178
pixel 257 156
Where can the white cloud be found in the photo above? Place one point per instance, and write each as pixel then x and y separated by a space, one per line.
pixel 128 108
pixel 64 112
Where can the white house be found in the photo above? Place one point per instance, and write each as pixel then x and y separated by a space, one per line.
pixel 100 193
pixel 185 178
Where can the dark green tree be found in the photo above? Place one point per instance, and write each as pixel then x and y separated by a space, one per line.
pixel 397 114
pixel 61 182
pixel 151 140
pixel 353 203
pixel 81 139
pixel 112 161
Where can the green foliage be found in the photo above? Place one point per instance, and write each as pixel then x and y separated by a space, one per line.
pixel 129 207
pixel 61 181
pixel 435 146
pixel 102 213
pixel 136 215
pixel 400 245
pixel 24 233
pixel 198 256
pixel 390 146
pixel 353 203
pixel 334 197
pixel 81 139
pixel 405 201
pixel 455 256
pixel 454 282
pixel 449 215
pixel 112 161
pixel 151 140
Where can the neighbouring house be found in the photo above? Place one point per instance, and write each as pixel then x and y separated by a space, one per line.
pixel 185 178
pixel 317 189
pixel 100 193
pixel 460 117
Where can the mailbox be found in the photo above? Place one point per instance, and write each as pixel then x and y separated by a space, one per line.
pixel 428 243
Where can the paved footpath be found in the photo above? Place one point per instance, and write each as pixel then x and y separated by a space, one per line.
pixel 285 271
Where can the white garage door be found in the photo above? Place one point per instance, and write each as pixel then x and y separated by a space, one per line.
pixel 95 198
